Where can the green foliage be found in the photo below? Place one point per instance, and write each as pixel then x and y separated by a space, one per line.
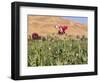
pixel 54 51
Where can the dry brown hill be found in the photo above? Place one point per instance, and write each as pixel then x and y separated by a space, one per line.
pixel 44 25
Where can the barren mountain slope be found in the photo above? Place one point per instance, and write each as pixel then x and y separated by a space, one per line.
pixel 44 25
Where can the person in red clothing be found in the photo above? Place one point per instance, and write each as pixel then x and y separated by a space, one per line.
pixel 35 36
pixel 61 28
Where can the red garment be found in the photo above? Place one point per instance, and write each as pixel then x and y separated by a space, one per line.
pixel 62 29
pixel 35 35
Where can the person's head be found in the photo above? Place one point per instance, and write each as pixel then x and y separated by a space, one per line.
pixel 57 26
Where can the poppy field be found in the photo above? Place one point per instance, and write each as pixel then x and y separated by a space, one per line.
pixel 51 51
pixel 57 40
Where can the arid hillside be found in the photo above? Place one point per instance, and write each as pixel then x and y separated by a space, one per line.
pixel 45 25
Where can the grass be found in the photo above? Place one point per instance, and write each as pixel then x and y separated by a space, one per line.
pixel 54 51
